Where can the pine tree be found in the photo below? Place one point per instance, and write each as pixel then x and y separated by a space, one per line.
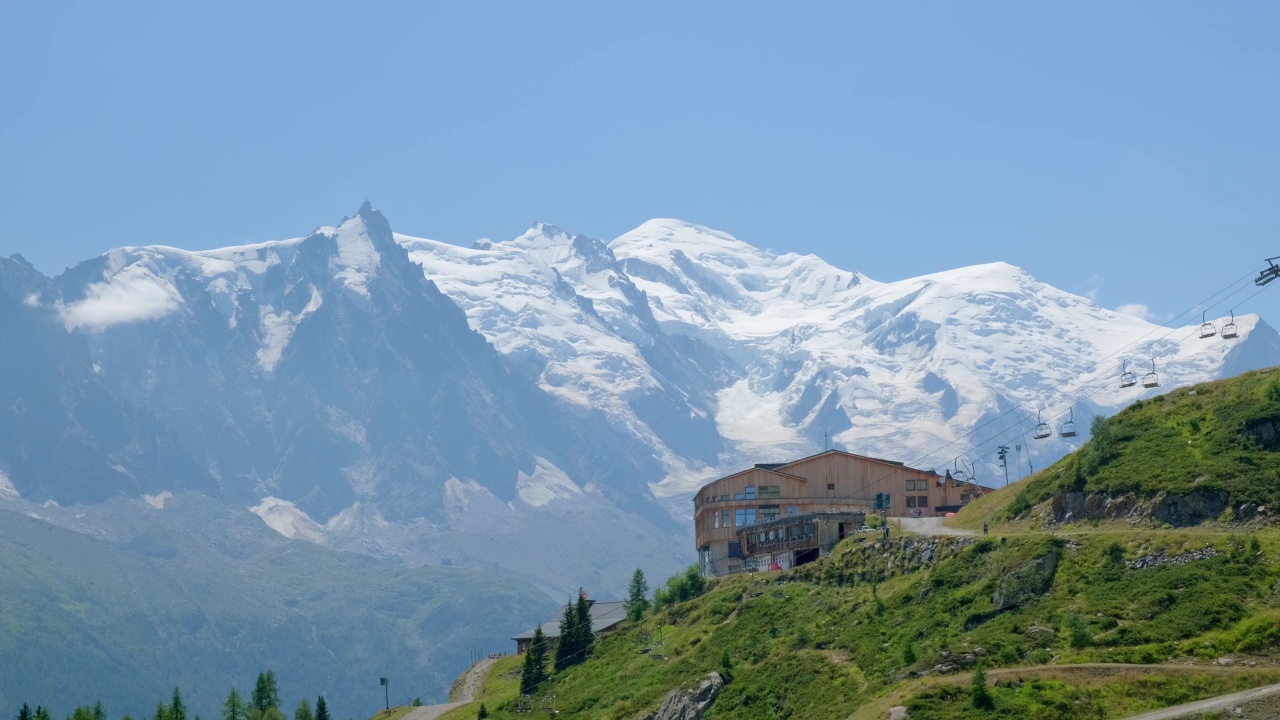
pixel 567 644
pixel 177 711
pixel 42 713
pixel 99 712
pixel 303 711
pixel 484 712
pixel 637 597
pixel 83 712
pixel 535 664
pixel 585 637
pixel 162 712
pixel 233 708
pixel 978 691
pixel 25 713
pixel 322 709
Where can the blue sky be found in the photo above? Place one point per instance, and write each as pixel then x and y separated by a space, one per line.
pixel 1124 149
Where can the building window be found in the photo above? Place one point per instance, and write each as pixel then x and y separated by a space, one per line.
pixel 724 498
pixel 769 512
pixel 793 510
pixel 715 521
pixel 744 516
pixel 831 486
pixel 964 498
pixel 911 501
pixel 769 492
pixel 738 496
pixel 750 493
pixel 735 549
pixel 922 501
pixel 911 485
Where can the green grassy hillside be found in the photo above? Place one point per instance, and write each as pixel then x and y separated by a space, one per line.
pixel 202 599
pixel 1218 440
pixel 856 630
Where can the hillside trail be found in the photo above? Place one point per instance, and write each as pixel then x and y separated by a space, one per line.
pixel 466 689
pixel 1201 707
pixel 930 526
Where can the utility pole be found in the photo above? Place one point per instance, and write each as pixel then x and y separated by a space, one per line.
pixel 1004 462
pixel 386 691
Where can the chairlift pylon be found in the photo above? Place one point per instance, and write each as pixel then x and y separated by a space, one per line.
pixel 1229 330
pixel 1042 428
pixel 1068 428
pixel 1127 379
pixel 1207 329
pixel 1151 379
pixel 959 475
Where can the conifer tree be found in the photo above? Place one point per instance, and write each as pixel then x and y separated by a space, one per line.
pixel 25 713
pixel 322 709
pixel 585 635
pixel 303 711
pixel 266 694
pixel 637 596
pixel 42 713
pixel 484 712
pixel 535 664
pixel 177 711
pixel 233 708
pixel 99 712
pixel 567 644
pixel 162 712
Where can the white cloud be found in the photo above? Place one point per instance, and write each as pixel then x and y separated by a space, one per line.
pixel 32 300
pixel 1092 287
pixel 1143 312
pixel 1137 310
pixel 131 295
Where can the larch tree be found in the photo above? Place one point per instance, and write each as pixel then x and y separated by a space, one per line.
pixel 303 711
pixel 233 708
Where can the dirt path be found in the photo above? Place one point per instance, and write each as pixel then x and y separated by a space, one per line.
pixel 929 526
pixel 466 689
pixel 1222 702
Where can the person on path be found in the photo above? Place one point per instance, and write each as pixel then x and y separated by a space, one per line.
pixel 984 528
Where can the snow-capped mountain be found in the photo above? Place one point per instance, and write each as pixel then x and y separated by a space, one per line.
pixel 514 403
pixel 788 351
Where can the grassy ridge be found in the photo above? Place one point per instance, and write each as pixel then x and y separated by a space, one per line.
pixel 1214 436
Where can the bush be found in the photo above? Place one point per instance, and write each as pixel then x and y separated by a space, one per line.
pixel 682 586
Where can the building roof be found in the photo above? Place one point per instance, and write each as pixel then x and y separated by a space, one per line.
pixel 895 463
pixel 604 615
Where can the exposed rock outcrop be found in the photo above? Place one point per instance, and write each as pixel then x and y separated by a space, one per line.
pixel 690 704
pixel 1177 510
pixel 1026 583
pixel 1159 558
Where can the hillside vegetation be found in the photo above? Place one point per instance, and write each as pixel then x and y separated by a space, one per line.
pixel 1094 620
pixel 1217 443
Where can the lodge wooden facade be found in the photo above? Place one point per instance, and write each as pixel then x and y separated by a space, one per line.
pixel 830 482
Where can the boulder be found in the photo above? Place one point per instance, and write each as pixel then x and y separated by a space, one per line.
pixel 690 704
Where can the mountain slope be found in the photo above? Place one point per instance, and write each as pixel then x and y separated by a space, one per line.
pixel 195 596
pixel 65 435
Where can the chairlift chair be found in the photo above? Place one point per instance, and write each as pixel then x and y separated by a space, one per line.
pixel 1229 330
pixel 1207 329
pixel 549 705
pixel 1269 273
pixel 524 704
pixel 1068 428
pixel 1151 379
pixel 1042 428
pixel 1127 379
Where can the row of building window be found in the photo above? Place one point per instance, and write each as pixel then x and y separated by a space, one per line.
pixel 917 501
pixel 742 517
pixel 764 492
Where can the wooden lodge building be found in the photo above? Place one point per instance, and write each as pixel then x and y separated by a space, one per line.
pixel 785 514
